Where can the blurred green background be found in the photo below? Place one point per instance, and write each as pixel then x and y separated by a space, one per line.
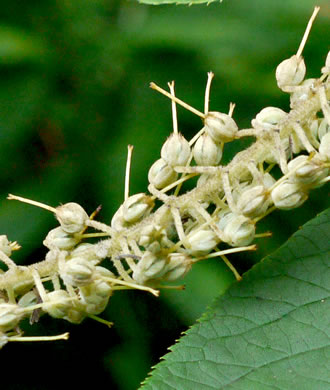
pixel 74 92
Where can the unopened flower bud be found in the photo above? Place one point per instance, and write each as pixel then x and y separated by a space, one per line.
pixel 201 242
pixel 58 238
pixel 9 316
pixel 161 174
pixel 324 148
pixel 220 127
pixel 253 202
pixel 178 265
pixel 311 173
pixel 136 207
pixel 290 72
pixel 206 151
pixel 323 128
pixel 176 150
pixel 58 303
pixel 72 217
pixel 305 90
pixel 5 245
pixel 288 196
pixel 239 231
pixel 268 118
pixel 149 267
pixel 87 251
pixel 77 271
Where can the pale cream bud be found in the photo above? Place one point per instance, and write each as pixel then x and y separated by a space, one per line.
pixel 9 316
pixel 58 303
pixel 323 128
pixel 206 152
pixel 253 202
pixel 177 267
pixel 268 118
pixel 5 245
pixel 72 217
pixel 176 150
pixel 77 271
pixel 149 267
pixel 137 207
pixel 220 127
pixel 310 173
pixel 58 238
pixel 290 72
pixel 161 174
pixel 201 242
pixel 239 231
pixel 288 196
pixel 324 148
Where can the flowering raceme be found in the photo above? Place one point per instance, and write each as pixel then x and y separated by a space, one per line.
pixel 149 245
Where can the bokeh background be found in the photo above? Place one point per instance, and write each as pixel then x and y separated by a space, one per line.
pixel 74 92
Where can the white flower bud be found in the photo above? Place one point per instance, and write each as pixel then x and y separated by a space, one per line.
pixel 178 265
pixel 58 304
pixel 77 271
pixel 3 339
pixel 253 202
pixel 9 316
pixel 149 267
pixel 87 251
pixel 201 242
pixel 28 299
pixel 203 179
pixel 290 72
pixel 72 217
pixel 311 173
pixel 137 207
pixel 5 245
pixel 75 315
pixel 176 150
pixel 323 128
pixel 239 231
pixel 324 148
pixel 206 151
pixel 96 295
pixel 161 174
pixel 220 127
pixel 268 118
pixel 288 196
pixel 60 239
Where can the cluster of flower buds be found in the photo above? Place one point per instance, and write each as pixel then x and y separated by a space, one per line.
pixel 148 246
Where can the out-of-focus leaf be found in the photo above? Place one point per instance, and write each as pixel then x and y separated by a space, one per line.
pixel 18 46
pixel 177 2
pixel 269 331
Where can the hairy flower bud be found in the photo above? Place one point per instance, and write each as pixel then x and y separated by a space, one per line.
pixel 9 316
pixel 311 173
pixel 323 128
pixel 72 217
pixel 268 118
pixel 149 267
pixel 324 148
pixel 206 151
pixel 290 72
pixel 239 231
pixel 253 202
pixel 58 303
pixel 220 127
pixel 200 242
pixel 5 245
pixel 176 150
pixel 288 195
pixel 58 238
pixel 161 174
pixel 137 207
pixel 178 265
pixel 77 272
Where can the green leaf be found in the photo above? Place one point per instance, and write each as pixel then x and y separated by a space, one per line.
pixel 177 2
pixel 270 331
